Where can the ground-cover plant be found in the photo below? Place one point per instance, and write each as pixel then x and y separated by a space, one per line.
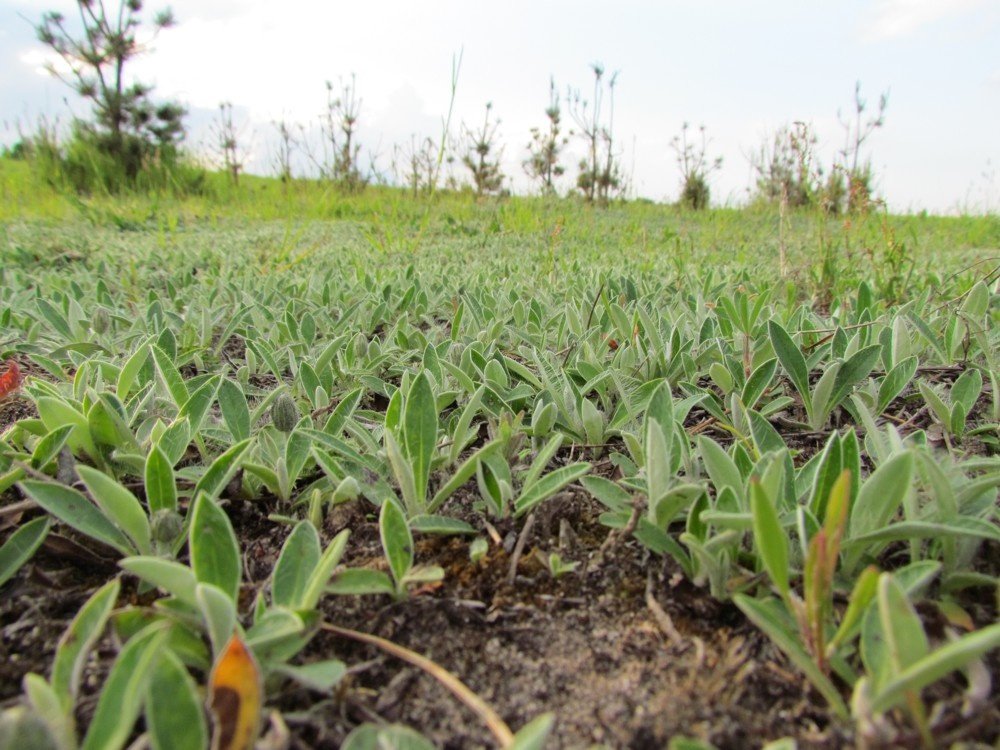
pixel 397 544
pixel 182 371
pixel 111 514
pixel 203 599
pixel 952 409
pixel 837 381
pixel 20 546
pixel 897 659
pixel 140 676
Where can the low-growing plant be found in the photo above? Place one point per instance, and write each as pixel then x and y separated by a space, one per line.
pixel 837 381
pixel 951 409
pixel 141 672
pixel 203 598
pixel 111 514
pixel 20 546
pixel 397 544
pixel 504 492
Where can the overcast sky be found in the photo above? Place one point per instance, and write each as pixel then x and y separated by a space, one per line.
pixel 741 68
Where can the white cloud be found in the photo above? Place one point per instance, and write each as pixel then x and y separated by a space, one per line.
pixel 899 18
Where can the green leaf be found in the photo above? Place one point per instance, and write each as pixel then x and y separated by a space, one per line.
pixel 175 716
pixel 765 437
pixel 462 474
pixel 176 579
pixel 41 724
pixel 74 646
pixel 821 403
pixel 321 676
pixel 657 452
pixel 541 461
pixel 107 426
pixel 55 318
pixel 323 570
pixel 298 559
pixel 419 433
pixel 124 690
pixel 197 406
pixel 340 415
pixel 534 734
pixel 403 471
pixel 864 591
pixel 936 665
pixel 56 413
pixel 235 411
pixel 549 485
pixel 359 581
pixel 218 610
pixel 766 615
pixel 904 635
pixel 769 538
pixel 277 635
pixel 895 381
pixel 853 371
pixel 937 405
pixel 75 510
pixel 49 446
pixel 971 528
pixel 376 737
pixel 397 542
pixel 296 454
pixel 790 357
pixel 721 377
pixel 170 375
pixel 977 301
pixel 830 466
pixel 758 382
pixel 120 505
pixel 161 486
pixel 431 524
pixel 131 369
pixel 966 389
pixel 20 546
pixel 687 743
pixel 215 553
pixel 175 440
pixel 881 495
pixel 609 494
pixel 661 407
pixel 720 467
pixel 222 470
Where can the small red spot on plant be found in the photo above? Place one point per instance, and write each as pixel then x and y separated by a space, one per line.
pixel 11 380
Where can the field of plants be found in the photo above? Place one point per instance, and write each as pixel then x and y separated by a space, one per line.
pixel 402 472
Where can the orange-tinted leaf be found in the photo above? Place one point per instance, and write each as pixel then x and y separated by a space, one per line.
pixel 236 695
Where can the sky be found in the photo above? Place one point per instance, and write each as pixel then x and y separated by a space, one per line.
pixel 742 69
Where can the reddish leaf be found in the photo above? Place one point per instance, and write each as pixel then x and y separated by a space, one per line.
pixel 11 380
